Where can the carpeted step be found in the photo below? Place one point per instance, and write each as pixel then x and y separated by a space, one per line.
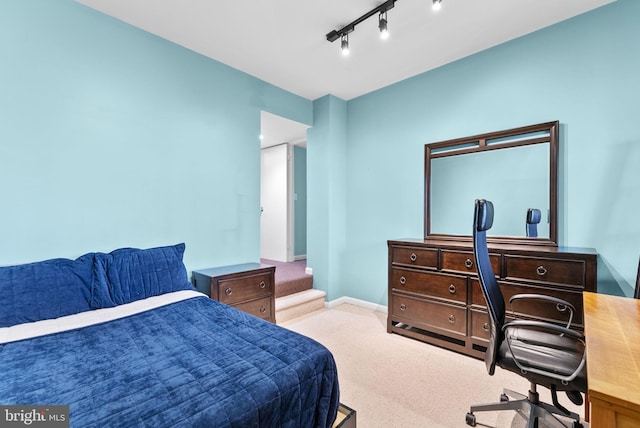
pixel 298 304
pixel 290 277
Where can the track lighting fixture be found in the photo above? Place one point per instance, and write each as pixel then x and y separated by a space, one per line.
pixel 382 25
pixel 343 32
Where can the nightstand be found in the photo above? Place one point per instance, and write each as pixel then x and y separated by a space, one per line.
pixel 249 287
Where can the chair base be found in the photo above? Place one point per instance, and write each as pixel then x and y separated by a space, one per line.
pixel 540 414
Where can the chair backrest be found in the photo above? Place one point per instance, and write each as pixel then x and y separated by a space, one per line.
pixel 636 292
pixel 482 221
pixel 533 218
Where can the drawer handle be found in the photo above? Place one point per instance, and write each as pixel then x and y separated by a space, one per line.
pixel 452 289
pixel 403 307
pixel 485 327
pixel 541 271
pixel 413 257
pixel 228 291
pixel 468 263
pixel 403 280
pixel 262 284
pixel 452 318
pixel 263 309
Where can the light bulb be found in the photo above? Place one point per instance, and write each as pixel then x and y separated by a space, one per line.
pixel 384 31
pixel 345 46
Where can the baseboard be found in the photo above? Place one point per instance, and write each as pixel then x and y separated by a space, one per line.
pixel 300 257
pixel 356 302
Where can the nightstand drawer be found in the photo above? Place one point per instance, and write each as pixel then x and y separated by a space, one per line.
pixel 260 308
pixel 241 288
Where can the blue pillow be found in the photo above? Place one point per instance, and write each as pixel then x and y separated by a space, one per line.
pixel 45 290
pixel 130 274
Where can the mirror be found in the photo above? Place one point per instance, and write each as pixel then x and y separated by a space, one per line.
pixel 516 169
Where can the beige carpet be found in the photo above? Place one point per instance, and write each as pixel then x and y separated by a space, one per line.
pixel 393 381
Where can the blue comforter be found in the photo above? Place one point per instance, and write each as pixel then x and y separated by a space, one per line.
pixel 191 363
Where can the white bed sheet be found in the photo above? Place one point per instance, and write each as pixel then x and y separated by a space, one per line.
pixel 97 316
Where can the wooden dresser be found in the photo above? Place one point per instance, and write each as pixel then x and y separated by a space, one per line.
pixel 249 287
pixel 435 296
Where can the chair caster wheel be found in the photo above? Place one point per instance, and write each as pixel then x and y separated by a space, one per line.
pixel 471 419
pixel 504 398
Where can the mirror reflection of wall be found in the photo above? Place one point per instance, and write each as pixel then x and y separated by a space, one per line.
pixel 514 179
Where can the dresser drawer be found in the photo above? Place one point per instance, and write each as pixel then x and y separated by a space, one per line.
pixel 444 286
pixel 241 288
pixel 260 308
pixel 463 261
pixel 411 256
pixel 476 297
pixel 533 308
pixel 427 314
pixel 571 273
pixel 479 325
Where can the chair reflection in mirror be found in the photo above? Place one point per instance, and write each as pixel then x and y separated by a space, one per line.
pixel 533 218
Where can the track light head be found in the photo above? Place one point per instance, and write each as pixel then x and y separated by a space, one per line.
pixel 344 44
pixel 382 25
pixel 437 5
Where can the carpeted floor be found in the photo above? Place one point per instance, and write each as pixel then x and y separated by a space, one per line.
pixel 290 277
pixel 393 381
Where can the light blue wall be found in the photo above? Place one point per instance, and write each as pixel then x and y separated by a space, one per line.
pixel 326 194
pixel 300 202
pixel 583 72
pixel 113 137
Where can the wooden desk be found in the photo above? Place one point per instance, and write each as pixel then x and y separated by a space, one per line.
pixel 612 333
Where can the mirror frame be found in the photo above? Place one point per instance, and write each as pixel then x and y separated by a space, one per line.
pixel 515 137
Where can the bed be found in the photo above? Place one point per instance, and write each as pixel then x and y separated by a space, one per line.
pixel 123 339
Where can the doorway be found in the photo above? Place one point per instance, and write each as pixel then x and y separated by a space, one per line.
pixel 282 188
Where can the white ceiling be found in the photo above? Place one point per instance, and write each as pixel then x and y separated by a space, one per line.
pixel 277 130
pixel 283 41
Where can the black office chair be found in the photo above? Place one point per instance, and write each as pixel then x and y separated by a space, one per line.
pixel 546 354
pixel 533 218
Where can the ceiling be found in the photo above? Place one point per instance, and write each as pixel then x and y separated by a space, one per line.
pixel 283 41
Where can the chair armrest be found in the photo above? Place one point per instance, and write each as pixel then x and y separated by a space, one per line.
pixel 561 305
pixel 560 330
